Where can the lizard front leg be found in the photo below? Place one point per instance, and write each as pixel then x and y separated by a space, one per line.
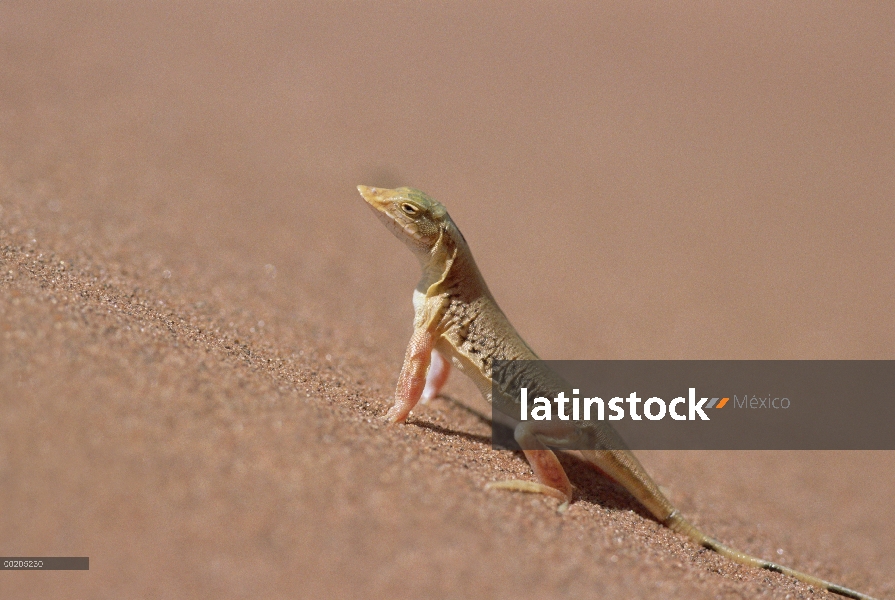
pixel 439 370
pixel 412 379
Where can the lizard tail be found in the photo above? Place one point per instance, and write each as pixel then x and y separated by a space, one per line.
pixel 677 523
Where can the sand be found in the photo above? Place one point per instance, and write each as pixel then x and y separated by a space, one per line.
pixel 201 323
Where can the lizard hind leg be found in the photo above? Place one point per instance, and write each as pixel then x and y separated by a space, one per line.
pixel 551 476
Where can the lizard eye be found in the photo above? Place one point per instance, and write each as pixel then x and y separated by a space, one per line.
pixel 410 209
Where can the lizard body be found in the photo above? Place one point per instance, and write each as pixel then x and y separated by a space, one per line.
pixel 457 321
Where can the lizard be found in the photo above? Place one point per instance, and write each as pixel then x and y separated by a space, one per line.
pixel 458 322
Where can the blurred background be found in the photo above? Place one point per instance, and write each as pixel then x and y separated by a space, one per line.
pixel 637 180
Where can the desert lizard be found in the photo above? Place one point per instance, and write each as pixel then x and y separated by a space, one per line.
pixel 457 321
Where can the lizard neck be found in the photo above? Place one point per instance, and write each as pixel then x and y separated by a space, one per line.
pixel 450 268
pixel 449 275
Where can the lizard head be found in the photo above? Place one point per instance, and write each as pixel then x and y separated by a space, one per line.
pixel 414 218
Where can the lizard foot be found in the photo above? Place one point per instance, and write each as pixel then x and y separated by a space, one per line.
pixel 531 487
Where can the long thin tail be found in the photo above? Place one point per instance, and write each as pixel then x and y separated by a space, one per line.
pixel 676 522
pixel 624 467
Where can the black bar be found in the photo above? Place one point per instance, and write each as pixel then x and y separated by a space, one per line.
pixel 762 404
pixel 44 563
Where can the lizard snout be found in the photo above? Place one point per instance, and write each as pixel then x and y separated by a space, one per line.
pixel 376 197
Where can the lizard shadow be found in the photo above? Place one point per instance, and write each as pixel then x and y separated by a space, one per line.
pixel 472 437
pixel 594 486
pixel 481 439
pixel 468 410
pixel 591 484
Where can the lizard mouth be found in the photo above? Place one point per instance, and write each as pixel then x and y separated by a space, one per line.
pixel 381 200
